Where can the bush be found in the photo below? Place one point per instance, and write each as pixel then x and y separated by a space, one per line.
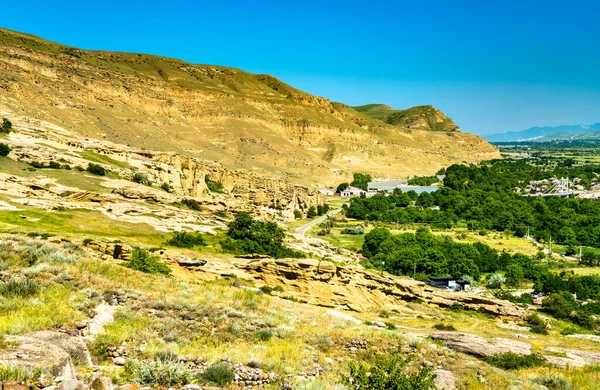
pixel 495 281
pixel 142 178
pixel 536 324
pixel 143 261
pixel 388 374
pixel 4 150
pixel 6 126
pixel 570 330
pixel 218 374
pixel 553 382
pixel 96 169
pixel 445 327
pixel 524 298
pixel 560 305
pixel 166 186
pixel 297 214
pixel 355 230
pixel 186 240
pixel 213 186
pixel 312 212
pixel 264 334
pixel 19 288
pixel 268 289
pixel 160 372
pixel 514 361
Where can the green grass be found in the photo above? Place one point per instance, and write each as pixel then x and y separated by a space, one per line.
pixel 87 223
pixel 102 159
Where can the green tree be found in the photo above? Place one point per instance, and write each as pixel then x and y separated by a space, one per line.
pixel 342 187
pixel 142 260
pixel 297 214
pixel 312 212
pixel 361 180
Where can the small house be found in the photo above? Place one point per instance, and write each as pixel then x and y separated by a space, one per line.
pixel 451 283
pixel 351 192
pixel 327 191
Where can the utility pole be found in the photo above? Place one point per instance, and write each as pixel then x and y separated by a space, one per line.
pixel 580 252
pixel 396 226
pixel 528 232
pixel 551 245
pixel 382 266
pixel 415 269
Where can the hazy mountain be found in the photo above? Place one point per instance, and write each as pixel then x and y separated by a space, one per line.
pixel 542 133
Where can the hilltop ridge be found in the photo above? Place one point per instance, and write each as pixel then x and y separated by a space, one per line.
pixel 415 118
pixel 243 120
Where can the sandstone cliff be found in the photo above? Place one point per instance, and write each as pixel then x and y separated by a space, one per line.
pixel 244 121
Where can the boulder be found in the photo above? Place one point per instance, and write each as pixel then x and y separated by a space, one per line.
pixel 574 357
pixel 444 380
pixel 343 316
pixel 101 383
pixel 74 346
pixel 480 346
pixel 30 352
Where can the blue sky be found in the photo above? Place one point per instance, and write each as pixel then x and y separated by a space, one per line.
pixel 492 66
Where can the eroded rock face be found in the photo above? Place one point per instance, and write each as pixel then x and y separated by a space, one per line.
pixel 323 283
pixel 54 352
pixel 480 346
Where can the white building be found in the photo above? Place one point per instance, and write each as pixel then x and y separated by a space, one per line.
pixel 352 191
pixel 327 191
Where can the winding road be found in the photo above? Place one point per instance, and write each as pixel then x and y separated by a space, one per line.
pixel 304 228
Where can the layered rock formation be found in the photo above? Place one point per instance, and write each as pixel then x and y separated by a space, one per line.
pixel 325 284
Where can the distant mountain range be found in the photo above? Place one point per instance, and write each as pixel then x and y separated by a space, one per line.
pixel 548 133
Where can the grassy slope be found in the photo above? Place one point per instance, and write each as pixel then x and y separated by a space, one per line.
pixel 229 321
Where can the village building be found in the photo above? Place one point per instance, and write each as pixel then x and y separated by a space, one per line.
pixel 327 191
pixel 351 192
pixel 451 283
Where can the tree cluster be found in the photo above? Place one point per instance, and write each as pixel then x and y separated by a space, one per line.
pixel 245 235
pixel 425 255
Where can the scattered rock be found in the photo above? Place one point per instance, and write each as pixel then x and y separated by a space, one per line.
pixel 101 383
pixel 574 358
pixel 378 324
pixel 480 346
pixel 119 361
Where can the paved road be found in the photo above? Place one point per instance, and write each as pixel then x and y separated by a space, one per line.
pixel 304 228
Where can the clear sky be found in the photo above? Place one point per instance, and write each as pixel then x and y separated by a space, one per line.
pixel 492 66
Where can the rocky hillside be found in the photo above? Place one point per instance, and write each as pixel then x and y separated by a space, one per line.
pixel 242 120
pixel 415 118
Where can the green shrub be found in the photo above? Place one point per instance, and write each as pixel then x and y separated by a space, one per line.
pixel 442 326
pixel 218 374
pixel 19 288
pixel 388 374
pixel 213 186
pixel 297 214
pixel 160 372
pixel 514 361
pixel 569 330
pixel 54 165
pixel 37 164
pixel 186 240
pixel 142 178
pixel 268 290
pixel 143 261
pixel 553 382
pixel 536 324
pixel 166 186
pixel 4 150
pixel 355 230
pixel 264 334
pixel 312 212
pixel 6 126
pixel 96 169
